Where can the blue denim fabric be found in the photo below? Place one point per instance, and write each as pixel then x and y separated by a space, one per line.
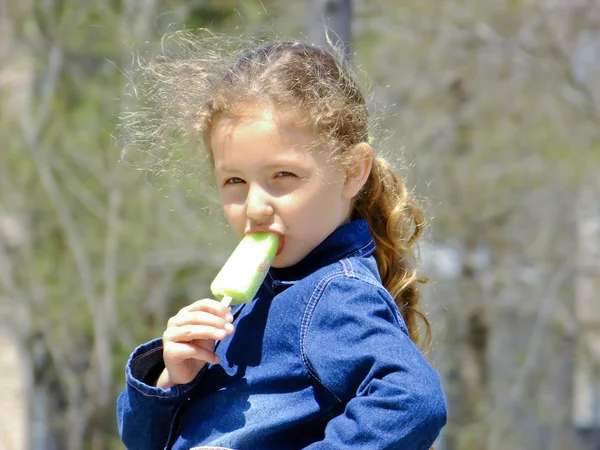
pixel 320 359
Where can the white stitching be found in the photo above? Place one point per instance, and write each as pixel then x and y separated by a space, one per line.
pixel 146 394
pixel 345 269
pixel 310 307
pixel 312 303
pixel 148 352
pixel 351 268
pixel 377 284
pixel 368 244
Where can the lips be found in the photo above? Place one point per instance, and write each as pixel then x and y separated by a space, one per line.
pixel 280 248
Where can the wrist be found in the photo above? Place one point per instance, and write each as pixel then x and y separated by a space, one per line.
pixel 164 381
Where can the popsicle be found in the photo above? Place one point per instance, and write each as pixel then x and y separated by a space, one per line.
pixel 243 273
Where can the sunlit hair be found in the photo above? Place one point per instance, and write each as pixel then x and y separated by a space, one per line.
pixel 320 87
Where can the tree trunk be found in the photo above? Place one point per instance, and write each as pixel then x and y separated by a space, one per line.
pixel 330 20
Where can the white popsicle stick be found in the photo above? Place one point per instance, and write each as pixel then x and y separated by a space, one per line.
pixel 226 301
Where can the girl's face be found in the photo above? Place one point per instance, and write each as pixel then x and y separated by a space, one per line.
pixel 269 179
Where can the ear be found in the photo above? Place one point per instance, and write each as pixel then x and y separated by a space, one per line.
pixel 359 170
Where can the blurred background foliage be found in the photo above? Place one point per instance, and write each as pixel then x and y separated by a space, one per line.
pixel 493 112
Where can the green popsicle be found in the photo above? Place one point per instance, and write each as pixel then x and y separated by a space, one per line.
pixel 243 273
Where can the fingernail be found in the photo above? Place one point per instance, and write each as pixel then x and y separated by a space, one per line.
pixel 220 333
pixel 229 317
pixel 228 327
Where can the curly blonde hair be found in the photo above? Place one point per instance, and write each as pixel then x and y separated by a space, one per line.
pixel 183 94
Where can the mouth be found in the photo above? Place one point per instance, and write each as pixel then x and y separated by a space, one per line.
pixel 266 230
pixel 280 248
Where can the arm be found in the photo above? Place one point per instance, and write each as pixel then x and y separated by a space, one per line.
pixel 357 346
pixel 145 412
pixel 160 378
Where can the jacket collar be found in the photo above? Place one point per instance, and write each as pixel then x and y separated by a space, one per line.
pixel 352 238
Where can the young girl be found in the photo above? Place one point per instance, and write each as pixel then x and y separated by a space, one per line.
pixel 324 357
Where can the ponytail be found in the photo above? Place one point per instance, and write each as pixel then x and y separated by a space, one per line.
pixel 396 222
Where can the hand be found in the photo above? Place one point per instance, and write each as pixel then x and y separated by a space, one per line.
pixel 189 340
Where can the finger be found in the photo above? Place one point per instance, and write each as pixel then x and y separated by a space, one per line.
pixel 208 305
pixel 198 318
pixel 185 350
pixel 188 333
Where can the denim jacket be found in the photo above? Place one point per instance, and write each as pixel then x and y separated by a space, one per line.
pixel 320 359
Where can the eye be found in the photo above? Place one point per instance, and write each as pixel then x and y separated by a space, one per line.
pixel 284 174
pixel 234 180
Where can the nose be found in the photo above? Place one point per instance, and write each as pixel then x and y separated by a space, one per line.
pixel 258 205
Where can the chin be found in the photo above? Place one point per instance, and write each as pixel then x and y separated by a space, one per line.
pixel 279 264
pixel 281 261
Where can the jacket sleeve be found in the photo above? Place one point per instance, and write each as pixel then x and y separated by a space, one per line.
pixel 144 412
pixel 357 347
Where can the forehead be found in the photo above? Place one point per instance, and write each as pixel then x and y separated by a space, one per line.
pixel 261 119
pixel 259 130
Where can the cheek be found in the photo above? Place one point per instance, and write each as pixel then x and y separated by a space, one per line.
pixel 232 195
pixel 314 206
pixel 233 213
pixel 328 196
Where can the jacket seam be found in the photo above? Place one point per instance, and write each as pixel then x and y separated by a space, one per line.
pixel 348 272
pixel 312 303
pixel 306 318
pixel 374 282
pixel 148 352
pixel 359 251
pixel 147 394
pixel 359 276
pixel 179 390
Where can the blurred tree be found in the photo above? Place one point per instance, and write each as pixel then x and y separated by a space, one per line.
pixel 330 20
pixel 101 257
